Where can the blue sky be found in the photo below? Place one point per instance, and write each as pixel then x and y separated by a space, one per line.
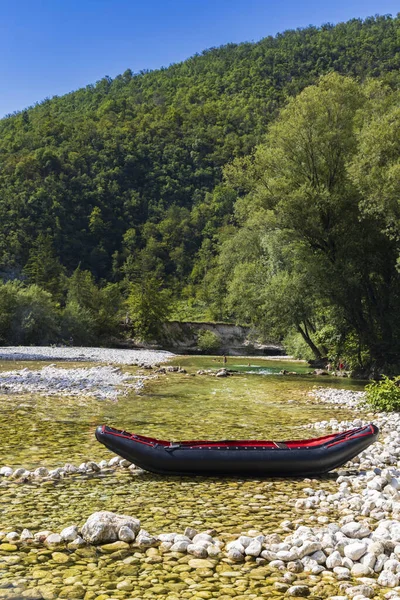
pixel 50 47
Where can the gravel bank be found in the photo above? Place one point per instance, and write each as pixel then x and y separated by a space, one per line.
pixel 103 355
pixel 103 382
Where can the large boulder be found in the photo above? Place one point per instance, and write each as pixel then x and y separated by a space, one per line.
pixel 103 527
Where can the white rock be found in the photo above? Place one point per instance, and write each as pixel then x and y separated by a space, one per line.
pixel 360 592
pixel 277 564
pixel 334 560
pixel 6 471
pixel 388 579
pixel 126 534
pixel 166 537
pixel 287 555
pixel 103 526
pixel 197 550
pixel 380 562
pixel 236 556
pixel 76 543
pixel 180 546
pixel 69 534
pixel 202 536
pixel 26 535
pixel 213 551
pixel 356 550
pixel 41 536
pixel 145 540
pixel 300 591
pixel 41 472
pixel 319 556
pixel 360 570
pixel 309 547
pixel 54 539
pixel 268 555
pixel 356 530
pixel 369 559
pixel 341 573
pixel 254 548
pixel 21 473
pixel 234 545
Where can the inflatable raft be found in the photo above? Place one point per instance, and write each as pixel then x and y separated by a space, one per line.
pixel 244 457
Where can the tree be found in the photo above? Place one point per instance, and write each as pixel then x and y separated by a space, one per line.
pixel 43 267
pixel 148 306
pixel 299 188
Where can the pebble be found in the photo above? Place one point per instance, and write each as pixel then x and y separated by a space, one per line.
pixel 300 591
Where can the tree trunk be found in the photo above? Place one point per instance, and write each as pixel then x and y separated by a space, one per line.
pixel 316 351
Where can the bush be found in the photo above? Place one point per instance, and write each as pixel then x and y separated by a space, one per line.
pixel 208 341
pixel 78 325
pixel 28 315
pixel 384 395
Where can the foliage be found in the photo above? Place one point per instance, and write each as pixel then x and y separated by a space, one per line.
pixel 315 260
pixel 148 308
pixel 134 164
pixel 295 346
pixel 208 341
pixel 27 315
pixel 78 325
pixel 92 313
pixel 384 395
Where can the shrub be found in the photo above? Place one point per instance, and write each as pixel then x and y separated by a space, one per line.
pixel 78 325
pixel 384 395
pixel 208 341
pixel 28 315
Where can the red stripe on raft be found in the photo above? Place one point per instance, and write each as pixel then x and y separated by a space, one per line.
pixel 344 437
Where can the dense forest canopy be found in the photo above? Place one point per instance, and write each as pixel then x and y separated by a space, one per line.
pixel 151 183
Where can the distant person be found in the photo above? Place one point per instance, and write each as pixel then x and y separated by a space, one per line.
pixel 225 360
pixel 341 365
pixel 329 366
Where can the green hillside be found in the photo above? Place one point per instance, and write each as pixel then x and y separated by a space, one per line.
pixel 125 163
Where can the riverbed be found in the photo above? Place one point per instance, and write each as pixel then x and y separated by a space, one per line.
pixel 42 429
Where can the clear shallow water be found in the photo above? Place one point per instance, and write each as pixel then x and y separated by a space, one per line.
pixel 39 430
pixel 52 431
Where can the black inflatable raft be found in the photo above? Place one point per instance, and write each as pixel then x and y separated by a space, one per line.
pixel 245 457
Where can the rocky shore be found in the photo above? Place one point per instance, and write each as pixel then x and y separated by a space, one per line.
pixel 102 383
pixel 76 354
pixel 355 556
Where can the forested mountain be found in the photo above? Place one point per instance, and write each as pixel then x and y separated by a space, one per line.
pixel 127 163
pixel 259 179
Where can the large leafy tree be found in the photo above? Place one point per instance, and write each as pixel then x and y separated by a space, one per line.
pixel 323 255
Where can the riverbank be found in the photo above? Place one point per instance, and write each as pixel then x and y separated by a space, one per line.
pixel 81 354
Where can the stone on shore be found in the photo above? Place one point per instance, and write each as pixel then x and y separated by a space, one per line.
pixel 102 527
